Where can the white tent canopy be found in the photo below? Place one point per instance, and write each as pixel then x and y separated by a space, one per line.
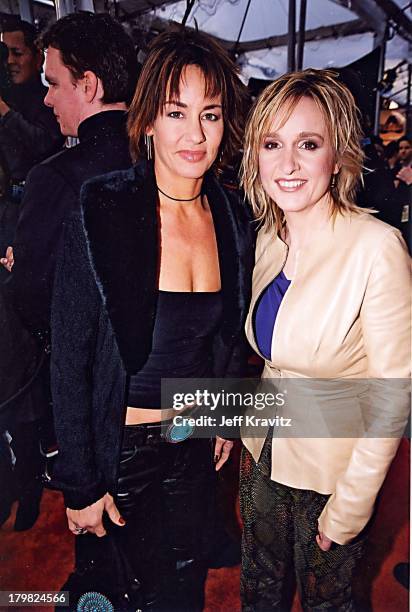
pixel 269 18
pixel 335 34
pixel 266 18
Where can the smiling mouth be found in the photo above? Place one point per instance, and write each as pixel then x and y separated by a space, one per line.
pixel 290 185
pixel 192 156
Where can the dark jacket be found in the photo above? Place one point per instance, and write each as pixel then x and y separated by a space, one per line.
pixel 9 214
pixel 104 306
pixel 21 359
pixel 29 132
pixel 52 192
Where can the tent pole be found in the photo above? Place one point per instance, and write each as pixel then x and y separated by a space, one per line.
pixel 408 103
pixel 241 27
pixel 291 35
pixel 301 35
pixel 189 6
pixel 380 76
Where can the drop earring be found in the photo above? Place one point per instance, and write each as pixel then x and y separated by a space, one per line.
pixel 148 143
pixel 333 181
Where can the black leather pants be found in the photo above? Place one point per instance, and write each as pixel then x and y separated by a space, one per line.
pixel 166 494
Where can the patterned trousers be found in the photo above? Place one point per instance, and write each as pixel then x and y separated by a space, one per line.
pixel 280 526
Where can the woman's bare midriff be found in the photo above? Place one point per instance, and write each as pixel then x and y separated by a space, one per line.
pixel 137 416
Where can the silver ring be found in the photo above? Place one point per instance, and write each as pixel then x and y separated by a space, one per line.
pixel 80 530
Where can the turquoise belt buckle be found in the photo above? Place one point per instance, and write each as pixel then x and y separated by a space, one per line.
pixel 178 433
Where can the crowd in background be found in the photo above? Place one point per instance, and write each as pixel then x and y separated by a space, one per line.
pixel 387 182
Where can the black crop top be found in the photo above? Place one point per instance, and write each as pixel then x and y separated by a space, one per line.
pixel 182 344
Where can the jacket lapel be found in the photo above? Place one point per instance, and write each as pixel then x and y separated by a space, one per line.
pixel 121 225
pixel 231 238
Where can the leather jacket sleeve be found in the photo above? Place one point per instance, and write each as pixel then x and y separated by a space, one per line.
pixel 76 310
pixel 386 327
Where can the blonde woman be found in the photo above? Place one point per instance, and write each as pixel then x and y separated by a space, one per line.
pixel 330 300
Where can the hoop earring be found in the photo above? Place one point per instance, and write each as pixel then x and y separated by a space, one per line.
pixel 148 143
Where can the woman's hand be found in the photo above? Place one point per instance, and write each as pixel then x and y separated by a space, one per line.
pixel 91 518
pixel 323 541
pixel 405 175
pixel 222 451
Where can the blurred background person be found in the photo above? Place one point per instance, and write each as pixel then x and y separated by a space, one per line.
pixel 377 188
pixel 390 156
pixel 29 131
pixel 9 214
pixel 403 190
pixel 404 152
pixel 92 69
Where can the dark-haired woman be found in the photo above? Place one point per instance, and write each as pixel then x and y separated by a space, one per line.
pixel 153 283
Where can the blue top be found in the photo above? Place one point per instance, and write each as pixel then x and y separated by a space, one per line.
pixel 266 312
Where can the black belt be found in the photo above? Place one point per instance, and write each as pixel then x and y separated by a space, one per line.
pixel 146 433
pixel 154 434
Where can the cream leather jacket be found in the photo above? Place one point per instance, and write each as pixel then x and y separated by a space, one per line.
pixel 346 315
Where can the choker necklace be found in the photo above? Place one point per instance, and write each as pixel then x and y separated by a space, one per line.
pixel 179 199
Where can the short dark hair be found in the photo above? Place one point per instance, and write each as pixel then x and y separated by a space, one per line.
pixel 15 24
pixel 168 55
pixel 96 42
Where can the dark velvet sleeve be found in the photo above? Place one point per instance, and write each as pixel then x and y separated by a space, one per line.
pixel 237 366
pixel 74 323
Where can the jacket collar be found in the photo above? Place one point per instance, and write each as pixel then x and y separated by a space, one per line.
pixel 120 216
pixel 102 124
pixel 271 254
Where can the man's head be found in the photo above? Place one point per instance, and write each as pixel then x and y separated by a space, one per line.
pixel 91 66
pixel 25 58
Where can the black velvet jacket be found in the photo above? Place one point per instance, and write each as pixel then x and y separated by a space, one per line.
pixel 103 314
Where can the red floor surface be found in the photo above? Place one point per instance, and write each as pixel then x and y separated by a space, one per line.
pixel 41 558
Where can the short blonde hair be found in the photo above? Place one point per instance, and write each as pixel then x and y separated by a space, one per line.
pixel 342 120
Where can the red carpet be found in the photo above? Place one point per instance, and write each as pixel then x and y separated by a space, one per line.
pixel 41 558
